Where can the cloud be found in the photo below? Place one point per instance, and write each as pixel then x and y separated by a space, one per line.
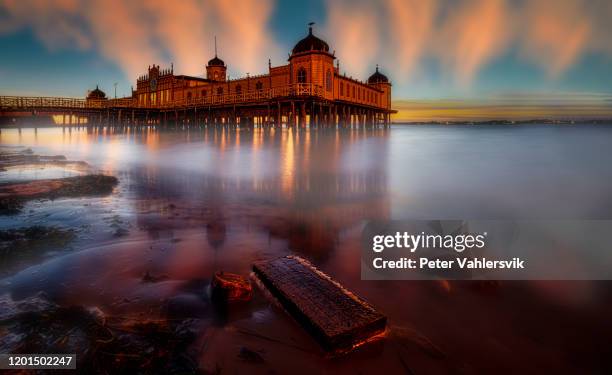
pixel 411 25
pixel 352 26
pixel 136 34
pixel 455 38
pixel 556 33
pixel 246 41
pixel 462 37
pixel 472 35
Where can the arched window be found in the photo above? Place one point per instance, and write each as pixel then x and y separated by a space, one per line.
pixel 219 90
pixel 238 89
pixel 341 88
pixel 328 80
pixel 259 86
pixel 301 75
pixel 203 93
pixel 189 96
pixel 353 92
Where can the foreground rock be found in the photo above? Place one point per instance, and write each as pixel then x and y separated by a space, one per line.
pixel 13 196
pixel 229 287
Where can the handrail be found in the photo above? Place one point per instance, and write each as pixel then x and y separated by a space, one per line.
pixel 298 89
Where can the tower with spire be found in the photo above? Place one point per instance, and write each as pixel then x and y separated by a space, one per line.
pixel 312 63
pixel 216 70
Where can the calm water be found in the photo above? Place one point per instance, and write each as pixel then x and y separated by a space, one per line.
pixel 191 202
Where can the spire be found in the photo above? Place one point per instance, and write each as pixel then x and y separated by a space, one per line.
pixel 310 27
pixel 376 68
pixel 215 46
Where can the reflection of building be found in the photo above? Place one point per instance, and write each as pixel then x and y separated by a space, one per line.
pixel 310 206
pixel 308 87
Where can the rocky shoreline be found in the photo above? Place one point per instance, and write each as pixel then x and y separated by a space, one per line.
pixel 13 195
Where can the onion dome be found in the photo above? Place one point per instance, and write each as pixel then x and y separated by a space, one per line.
pixel 215 61
pixel 96 94
pixel 378 77
pixel 310 43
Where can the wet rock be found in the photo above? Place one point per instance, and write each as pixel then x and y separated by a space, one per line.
pixel 230 287
pixel 14 195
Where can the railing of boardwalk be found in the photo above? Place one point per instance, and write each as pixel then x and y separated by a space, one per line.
pixel 33 103
pixel 299 89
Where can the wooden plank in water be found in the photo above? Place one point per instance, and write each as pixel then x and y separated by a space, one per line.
pixel 337 318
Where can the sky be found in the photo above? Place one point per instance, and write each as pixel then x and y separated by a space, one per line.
pixel 447 60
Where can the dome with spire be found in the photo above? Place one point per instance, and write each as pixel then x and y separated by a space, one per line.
pixel 96 94
pixel 215 61
pixel 378 77
pixel 310 43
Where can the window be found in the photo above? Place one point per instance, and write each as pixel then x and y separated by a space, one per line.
pixel 259 86
pixel 238 89
pixel 341 88
pixel 189 96
pixel 301 75
pixel 353 92
pixel 219 90
pixel 203 93
pixel 328 80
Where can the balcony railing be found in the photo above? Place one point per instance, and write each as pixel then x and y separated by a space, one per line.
pixel 34 103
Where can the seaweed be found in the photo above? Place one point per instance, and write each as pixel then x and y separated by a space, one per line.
pixel 102 344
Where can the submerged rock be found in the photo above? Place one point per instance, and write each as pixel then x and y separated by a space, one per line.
pixel 21 247
pixel 230 287
pixel 33 238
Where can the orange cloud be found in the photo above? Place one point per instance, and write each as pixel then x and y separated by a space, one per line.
pixel 460 36
pixel 556 33
pixel 242 26
pixel 352 26
pixel 465 35
pixel 411 25
pixel 136 34
pixel 472 35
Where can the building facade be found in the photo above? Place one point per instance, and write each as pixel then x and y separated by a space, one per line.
pixel 308 86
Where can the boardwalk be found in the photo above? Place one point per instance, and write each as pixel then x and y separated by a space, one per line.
pixel 288 105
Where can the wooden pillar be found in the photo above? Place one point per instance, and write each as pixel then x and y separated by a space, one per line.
pixel 303 115
pixel 292 119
